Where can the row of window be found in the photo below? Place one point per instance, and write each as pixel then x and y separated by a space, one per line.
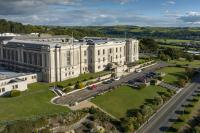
pixel 69 74
pixel 15 86
pixel 69 68
pixel 110 50
pixel 104 59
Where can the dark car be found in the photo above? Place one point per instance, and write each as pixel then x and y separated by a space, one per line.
pixel 131 81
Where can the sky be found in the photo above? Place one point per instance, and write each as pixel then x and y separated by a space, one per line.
pixel 156 13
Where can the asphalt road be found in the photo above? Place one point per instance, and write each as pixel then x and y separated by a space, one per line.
pixel 86 93
pixel 161 121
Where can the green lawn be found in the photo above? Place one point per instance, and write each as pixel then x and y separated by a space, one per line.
pixel 173 74
pixel 172 46
pixel 195 63
pixel 174 40
pixel 124 98
pixel 33 102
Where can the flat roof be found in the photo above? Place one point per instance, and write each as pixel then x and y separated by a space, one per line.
pixel 7 74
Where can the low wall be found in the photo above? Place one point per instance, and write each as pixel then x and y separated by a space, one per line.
pixel 141 66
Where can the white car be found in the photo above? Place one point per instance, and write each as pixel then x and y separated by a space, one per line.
pixel 116 78
pixel 138 70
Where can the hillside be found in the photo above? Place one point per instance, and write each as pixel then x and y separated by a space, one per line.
pixel 180 33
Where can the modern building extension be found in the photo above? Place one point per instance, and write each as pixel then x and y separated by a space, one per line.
pixel 57 58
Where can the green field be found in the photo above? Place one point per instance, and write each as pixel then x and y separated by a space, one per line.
pixel 172 46
pixel 124 98
pixel 174 41
pixel 33 102
pixel 173 74
pixel 195 63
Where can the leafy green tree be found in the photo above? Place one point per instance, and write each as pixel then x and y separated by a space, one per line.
pixel 148 45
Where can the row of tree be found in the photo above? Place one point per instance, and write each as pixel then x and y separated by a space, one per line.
pixel 112 31
pixel 136 117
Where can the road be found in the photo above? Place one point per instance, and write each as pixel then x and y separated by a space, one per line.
pixel 161 121
pixel 82 95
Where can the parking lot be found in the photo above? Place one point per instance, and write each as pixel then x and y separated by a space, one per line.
pixel 84 94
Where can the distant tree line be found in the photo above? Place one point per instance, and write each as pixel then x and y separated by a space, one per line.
pixel 109 31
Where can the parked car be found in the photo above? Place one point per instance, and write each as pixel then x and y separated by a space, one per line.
pixel 116 78
pixel 107 82
pixel 138 70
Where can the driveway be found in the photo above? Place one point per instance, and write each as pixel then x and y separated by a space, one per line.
pixel 85 94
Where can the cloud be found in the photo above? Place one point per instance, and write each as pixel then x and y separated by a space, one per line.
pixel 13 7
pixel 171 2
pixel 191 17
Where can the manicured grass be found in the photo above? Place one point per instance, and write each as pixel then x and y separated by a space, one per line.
pixel 195 63
pixel 32 103
pixel 173 74
pixel 83 77
pixel 118 101
pixel 173 40
pixel 172 46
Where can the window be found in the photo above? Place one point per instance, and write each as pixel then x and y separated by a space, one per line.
pixel 99 67
pixel 110 50
pixel 68 58
pixel 116 49
pixel 16 86
pixel 120 56
pixel 66 74
pixel 85 61
pixel 3 89
pixel 120 49
pixel 98 52
pixel 116 56
pixel 85 53
pixel 104 59
pixel 99 60
pixel 103 51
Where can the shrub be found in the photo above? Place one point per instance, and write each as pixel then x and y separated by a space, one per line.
pixel 142 86
pixel 69 84
pixel 84 80
pixel 68 89
pixel 182 82
pixel 160 78
pixel 60 86
pixel 79 85
pixel 91 77
pixel 153 82
pixel 15 93
pixel 178 65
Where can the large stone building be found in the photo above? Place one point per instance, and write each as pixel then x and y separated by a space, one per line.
pixel 57 58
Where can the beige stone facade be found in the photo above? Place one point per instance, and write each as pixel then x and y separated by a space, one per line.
pixel 58 58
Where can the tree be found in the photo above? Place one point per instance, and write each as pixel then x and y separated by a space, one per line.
pixel 127 125
pixel 189 57
pixel 79 85
pixel 158 100
pixel 148 45
pixel 182 82
pixel 146 111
